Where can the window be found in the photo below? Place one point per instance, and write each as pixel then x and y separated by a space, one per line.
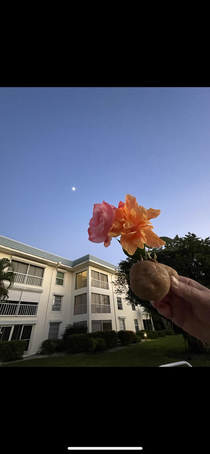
pixel 26 334
pixel 147 325
pixel 53 331
pixel 101 325
pixel 22 332
pixel 27 274
pixel 122 324
pixel 59 278
pixel 80 304
pixel 5 333
pixel 136 325
pixel 35 275
pixel 133 307
pixel 83 324
pixel 19 267
pixel 119 303
pixel 56 303
pixel 16 332
pixel 81 280
pixel 100 304
pixel 99 280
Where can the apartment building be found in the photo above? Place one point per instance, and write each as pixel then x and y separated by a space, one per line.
pixel 50 292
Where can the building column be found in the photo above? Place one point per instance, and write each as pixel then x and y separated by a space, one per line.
pixel 89 326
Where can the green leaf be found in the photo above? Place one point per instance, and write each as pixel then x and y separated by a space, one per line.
pixel 166 239
pixel 137 254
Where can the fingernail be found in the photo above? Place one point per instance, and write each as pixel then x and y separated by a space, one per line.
pixel 175 281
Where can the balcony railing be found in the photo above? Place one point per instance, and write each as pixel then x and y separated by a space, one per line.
pixel 18 309
pixel 100 308
pixel 21 278
pixel 99 284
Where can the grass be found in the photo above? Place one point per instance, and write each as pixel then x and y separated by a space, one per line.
pixel 151 353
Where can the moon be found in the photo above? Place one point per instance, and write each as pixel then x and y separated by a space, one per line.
pixel 73 189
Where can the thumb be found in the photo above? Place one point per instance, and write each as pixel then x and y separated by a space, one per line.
pixel 186 291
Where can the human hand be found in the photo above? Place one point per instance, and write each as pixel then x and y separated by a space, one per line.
pixel 187 304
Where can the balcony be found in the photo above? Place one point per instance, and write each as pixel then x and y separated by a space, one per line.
pixel 99 284
pixel 15 309
pixel 80 309
pixel 100 308
pixel 80 284
pixel 21 278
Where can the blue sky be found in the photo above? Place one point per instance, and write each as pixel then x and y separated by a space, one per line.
pixel 153 143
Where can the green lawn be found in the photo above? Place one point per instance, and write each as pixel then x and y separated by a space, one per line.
pixel 145 354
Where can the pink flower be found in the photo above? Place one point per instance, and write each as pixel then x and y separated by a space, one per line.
pixel 101 223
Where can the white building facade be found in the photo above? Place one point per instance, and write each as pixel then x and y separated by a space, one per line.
pixel 50 292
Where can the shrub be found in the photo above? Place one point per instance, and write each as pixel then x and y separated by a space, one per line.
pixel 78 343
pixel 125 337
pixel 169 332
pixel 150 334
pixel 98 345
pixel 137 339
pixel 12 350
pixel 133 335
pixel 73 329
pixel 161 333
pixel 140 334
pixel 50 346
pixel 110 337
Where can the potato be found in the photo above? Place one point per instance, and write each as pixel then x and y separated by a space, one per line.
pixel 170 271
pixel 150 280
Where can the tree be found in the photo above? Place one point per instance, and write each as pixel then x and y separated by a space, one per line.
pixel 190 257
pixel 5 275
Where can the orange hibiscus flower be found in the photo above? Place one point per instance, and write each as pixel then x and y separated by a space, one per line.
pixel 132 222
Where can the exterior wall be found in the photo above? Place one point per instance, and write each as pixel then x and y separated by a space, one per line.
pixel 44 294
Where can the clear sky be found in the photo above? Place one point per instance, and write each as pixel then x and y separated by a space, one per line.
pixel 153 143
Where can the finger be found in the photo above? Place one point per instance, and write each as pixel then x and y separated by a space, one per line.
pixel 188 292
pixel 166 299
pixel 192 283
pixel 163 308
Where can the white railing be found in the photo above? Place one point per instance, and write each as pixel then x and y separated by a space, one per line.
pixel 100 308
pixel 81 309
pixel 21 278
pixel 17 309
pixel 99 284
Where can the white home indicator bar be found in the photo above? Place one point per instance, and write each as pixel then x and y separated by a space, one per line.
pixel 105 449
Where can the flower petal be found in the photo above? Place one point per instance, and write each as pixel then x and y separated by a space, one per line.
pixel 152 213
pixel 153 240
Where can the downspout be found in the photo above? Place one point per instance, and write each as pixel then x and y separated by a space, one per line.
pixel 114 304
pixel 56 267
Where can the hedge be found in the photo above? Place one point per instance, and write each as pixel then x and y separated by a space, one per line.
pixel 50 346
pixel 98 345
pixel 73 329
pixel 161 333
pixel 12 350
pixel 78 343
pixel 110 337
pixel 125 337
pixel 150 334
pixel 169 332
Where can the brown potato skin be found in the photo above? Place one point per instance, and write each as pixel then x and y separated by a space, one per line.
pixel 170 270
pixel 150 280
